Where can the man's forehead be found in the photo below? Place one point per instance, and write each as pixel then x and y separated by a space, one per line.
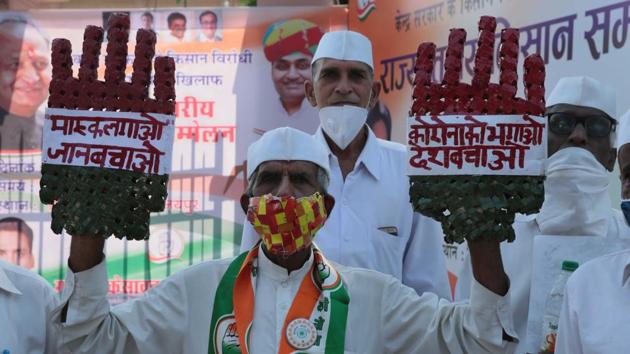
pixel 576 110
pixel 295 56
pixel 211 15
pixel 12 237
pixel 329 63
pixel 21 32
pixel 291 166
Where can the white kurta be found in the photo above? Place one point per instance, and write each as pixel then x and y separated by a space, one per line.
pixel 200 37
pixel 517 261
pixel 375 197
pixel 596 308
pixel 168 37
pixel 384 316
pixel 26 300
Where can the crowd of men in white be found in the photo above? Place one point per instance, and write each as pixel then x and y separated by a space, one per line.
pixel 376 263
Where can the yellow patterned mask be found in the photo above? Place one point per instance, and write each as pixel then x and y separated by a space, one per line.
pixel 286 224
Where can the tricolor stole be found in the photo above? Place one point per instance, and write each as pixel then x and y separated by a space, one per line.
pixel 322 299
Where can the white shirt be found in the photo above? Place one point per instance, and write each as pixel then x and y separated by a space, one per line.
pixel 201 37
pixel 384 316
pixel 376 195
pixel 168 37
pixel 517 261
pixel 596 309
pixel 25 303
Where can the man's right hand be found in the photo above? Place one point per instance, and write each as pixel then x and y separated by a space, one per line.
pixel 114 94
pixel 85 252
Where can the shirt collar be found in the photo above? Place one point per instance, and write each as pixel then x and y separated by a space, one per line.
pixel 6 283
pixel 269 269
pixel 370 156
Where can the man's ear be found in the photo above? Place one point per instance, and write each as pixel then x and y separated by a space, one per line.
pixel 309 89
pixel 245 202
pixel 612 157
pixel 376 91
pixel 329 203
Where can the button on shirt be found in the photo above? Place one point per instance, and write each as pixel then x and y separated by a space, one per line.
pixel 595 317
pixel 25 302
pixel 372 201
pixel 384 316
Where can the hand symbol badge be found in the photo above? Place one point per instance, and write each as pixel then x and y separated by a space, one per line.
pixel 471 207
pixel 98 201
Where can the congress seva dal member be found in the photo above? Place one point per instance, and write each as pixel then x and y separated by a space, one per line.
pixel 373 225
pixel 582 118
pixel 594 317
pixel 282 296
pixel 26 301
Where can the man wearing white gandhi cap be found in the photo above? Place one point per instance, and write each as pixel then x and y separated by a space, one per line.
pixel 373 225
pixel 595 310
pixel 281 296
pixel 582 119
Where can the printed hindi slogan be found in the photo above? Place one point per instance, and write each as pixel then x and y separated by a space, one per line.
pixel 477 145
pixel 139 142
pixel 552 39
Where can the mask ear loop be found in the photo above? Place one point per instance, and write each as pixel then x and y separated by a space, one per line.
pixel 369 100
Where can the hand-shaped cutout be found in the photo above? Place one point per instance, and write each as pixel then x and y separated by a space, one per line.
pixel 471 207
pixel 101 202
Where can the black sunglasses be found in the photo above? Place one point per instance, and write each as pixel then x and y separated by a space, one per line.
pixel 597 126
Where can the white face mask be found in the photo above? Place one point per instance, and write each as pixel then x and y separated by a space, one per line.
pixel 342 123
pixel 576 195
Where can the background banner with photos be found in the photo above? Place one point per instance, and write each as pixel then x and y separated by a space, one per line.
pixel 240 72
pixel 573 37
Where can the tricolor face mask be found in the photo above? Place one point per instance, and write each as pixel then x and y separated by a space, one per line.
pixel 286 225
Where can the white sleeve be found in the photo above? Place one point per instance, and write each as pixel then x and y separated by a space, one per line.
pixel 250 237
pixel 568 338
pixel 424 264
pixel 464 280
pixel 52 334
pixel 154 323
pixel 427 324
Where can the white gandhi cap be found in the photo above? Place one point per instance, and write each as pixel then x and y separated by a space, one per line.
pixel 286 144
pixel 345 45
pixel 586 92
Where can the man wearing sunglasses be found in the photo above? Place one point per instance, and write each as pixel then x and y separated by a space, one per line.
pixel 582 120
pixel 594 317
